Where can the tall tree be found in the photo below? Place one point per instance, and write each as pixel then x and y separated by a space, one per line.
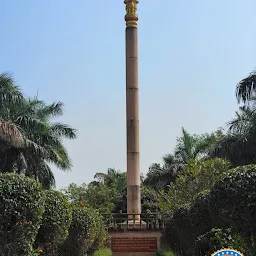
pixel 246 88
pixel 189 146
pixel 192 146
pixel 29 138
pixel 239 144
pixel 10 94
pixel 113 178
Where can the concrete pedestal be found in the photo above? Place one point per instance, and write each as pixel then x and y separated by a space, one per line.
pixel 134 224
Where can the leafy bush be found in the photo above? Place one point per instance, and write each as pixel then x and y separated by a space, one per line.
pixel 185 230
pixel 231 203
pixel 100 233
pixel 198 176
pixel 103 252
pixel 199 214
pixel 55 224
pixel 234 199
pixel 217 239
pixel 170 236
pixel 98 196
pixel 21 210
pixel 187 224
pixel 81 232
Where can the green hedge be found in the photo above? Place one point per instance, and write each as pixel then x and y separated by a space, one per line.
pixel 81 233
pixel 100 233
pixel 231 203
pixel 234 199
pixel 55 224
pixel 21 210
pixel 217 239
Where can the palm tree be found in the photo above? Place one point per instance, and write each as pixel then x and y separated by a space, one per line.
pixel 246 88
pixel 239 144
pixel 40 138
pixel 159 177
pixel 113 178
pixel 192 146
pixel 11 95
pixel 189 146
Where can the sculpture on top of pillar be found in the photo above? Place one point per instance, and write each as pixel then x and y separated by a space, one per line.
pixel 131 16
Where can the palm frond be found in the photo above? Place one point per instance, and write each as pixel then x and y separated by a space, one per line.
pixel 35 148
pixel 49 111
pixel 31 124
pixel 46 176
pixel 63 130
pixel 10 133
pixel 244 122
pixel 9 92
pixel 245 89
pixel 60 158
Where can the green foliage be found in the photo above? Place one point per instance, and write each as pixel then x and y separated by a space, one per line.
pixel 55 224
pixel 80 233
pixel 234 199
pixel 188 147
pixel 245 89
pixel 99 196
pixel 184 230
pixel 217 239
pixel 192 146
pixel 149 200
pixel 44 140
pixel 199 214
pixel 113 178
pixel 86 232
pixel 230 203
pixel 165 253
pixel 103 252
pixel 30 139
pixel 197 177
pixel 170 236
pixel 21 210
pixel 100 232
pixel 187 224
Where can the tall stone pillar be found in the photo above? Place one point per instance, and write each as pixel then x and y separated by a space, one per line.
pixel 132 110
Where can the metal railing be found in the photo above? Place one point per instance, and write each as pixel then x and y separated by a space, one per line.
pixel 134 222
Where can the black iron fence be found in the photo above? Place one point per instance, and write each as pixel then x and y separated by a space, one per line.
pixel 134 222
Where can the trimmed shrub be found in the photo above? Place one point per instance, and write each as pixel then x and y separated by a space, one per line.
pixel 55 223
pixel 21 210
pixel 217 239
pixel 81 233
pixel 103 252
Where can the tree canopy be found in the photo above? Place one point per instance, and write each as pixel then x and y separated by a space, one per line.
pixel 30 140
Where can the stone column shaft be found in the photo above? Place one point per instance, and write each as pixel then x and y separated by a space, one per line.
pixel 132 119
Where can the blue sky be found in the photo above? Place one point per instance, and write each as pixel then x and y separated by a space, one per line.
pixel 191 55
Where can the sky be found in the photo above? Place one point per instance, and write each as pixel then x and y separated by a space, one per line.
pixel 191 56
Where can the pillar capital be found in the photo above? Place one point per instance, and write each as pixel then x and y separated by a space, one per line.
pixel 131 16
